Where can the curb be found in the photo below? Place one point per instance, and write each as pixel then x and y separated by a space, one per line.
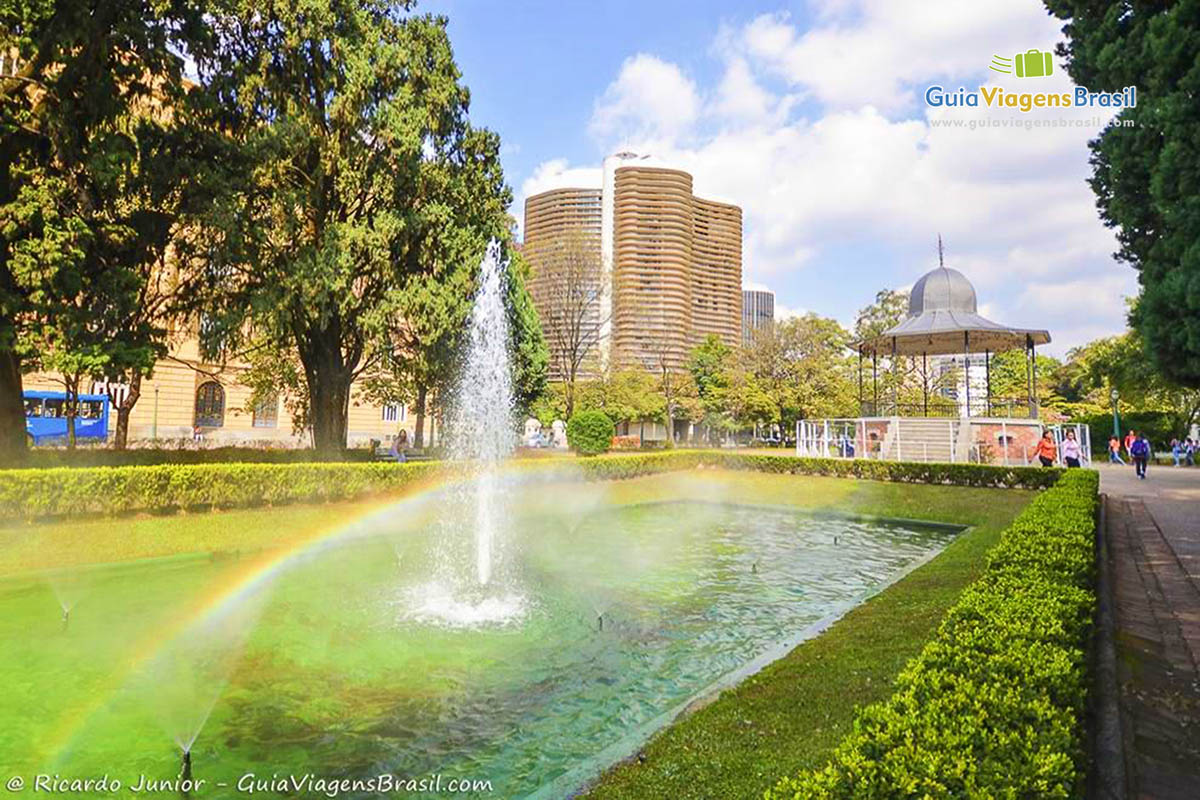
pixel 1107 780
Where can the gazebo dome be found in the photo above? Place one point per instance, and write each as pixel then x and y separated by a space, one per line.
pixel 941 289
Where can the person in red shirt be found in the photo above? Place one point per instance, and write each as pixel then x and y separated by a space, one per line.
pixel 1130 438
pixel 1046 450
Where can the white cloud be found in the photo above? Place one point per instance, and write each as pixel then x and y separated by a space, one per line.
pixel 650 98
pixel 873 51
pixel 557 174
pixel 860 169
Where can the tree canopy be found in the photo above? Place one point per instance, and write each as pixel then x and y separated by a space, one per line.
pixel 1146 175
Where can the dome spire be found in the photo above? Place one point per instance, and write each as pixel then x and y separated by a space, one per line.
pixel 941 253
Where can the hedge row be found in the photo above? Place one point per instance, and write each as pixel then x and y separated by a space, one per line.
pixel 993 706
pixel 46 458
pixel 30 493
pixel 68 491
pixel 981 475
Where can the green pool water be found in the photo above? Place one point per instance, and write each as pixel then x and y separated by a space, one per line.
pixel 351 659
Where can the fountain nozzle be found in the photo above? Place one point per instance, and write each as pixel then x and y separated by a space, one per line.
pixel 754 568
pixel 185 770
pixel 66 618
pixel 600 622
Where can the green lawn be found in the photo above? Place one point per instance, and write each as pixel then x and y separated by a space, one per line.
pixel 793 713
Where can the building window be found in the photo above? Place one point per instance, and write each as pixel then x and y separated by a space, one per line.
pixel 266 412
pixel 210 405
pixel 391 412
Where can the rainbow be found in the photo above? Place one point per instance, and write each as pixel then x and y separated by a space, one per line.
pixel 234 588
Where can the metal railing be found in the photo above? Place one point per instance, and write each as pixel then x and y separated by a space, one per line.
pixel 994 407
pixel 885 439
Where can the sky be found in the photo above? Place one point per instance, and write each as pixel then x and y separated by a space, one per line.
pixel 812 117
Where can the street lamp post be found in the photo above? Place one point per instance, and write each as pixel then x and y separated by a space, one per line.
pixel 1116 416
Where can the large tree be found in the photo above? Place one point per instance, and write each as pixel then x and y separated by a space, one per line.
pixel 1146 174
pixel 1118 363
pixel 803 365
pixel 79 87
pixel 569 289
pixel 357 122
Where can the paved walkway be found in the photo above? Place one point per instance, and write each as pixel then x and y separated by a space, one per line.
pixel 1153 531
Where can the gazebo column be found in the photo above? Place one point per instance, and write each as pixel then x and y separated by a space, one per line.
pixel 1029 375
pixel 874 382
pixel 1033 400
pixel 924 383
pixel 860 380
pixel 895 382
pixel 967 367
pixel 987 373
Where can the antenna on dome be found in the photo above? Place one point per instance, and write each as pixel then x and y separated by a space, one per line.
pixel 941 259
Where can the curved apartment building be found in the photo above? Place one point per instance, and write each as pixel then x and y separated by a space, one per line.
pixel 565 284
pixel 671 262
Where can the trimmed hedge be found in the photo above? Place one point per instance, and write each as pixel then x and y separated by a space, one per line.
pixel 994 705
pixel 590 433
pixel 979 475
pixel 67 491
pixel 64 491
pixel 84 456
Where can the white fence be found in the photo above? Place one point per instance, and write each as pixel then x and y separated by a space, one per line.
pixel 927 439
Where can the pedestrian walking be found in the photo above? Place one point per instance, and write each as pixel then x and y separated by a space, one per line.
pixel 1070 450
pixel 1140 451
pixel 1130 438
pixel 1114 451
pixel 1189 451
pixel 1046 451
pixel 1177 452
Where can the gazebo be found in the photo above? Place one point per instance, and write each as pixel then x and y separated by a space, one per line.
pixel 943 320
pixel 943 323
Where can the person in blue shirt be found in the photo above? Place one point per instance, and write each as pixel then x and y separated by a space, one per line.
pixel 1140 450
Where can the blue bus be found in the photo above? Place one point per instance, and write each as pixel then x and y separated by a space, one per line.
pixel 46 417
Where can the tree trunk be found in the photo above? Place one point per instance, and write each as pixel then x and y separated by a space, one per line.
pixel 330 405
pixel 13 447
pixel 328 378
pixel 570 398
pixel 72 409
pixel 419 425
pixel 121 433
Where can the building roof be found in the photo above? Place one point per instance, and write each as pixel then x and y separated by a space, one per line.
pixel 943 319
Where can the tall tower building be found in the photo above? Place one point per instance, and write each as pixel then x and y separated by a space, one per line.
pixel 670 262
pixel 758 312
pixel 562 246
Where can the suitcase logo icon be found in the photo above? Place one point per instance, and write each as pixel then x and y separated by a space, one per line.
pixel 1030 64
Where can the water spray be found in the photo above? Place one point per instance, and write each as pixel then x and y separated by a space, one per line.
pixel 66 617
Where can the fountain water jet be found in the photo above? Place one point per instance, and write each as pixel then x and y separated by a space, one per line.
pixel 483 433
pixel 469 590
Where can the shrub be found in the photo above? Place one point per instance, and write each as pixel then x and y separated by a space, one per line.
pixel 590 433
pixel 166 487
pixel 30 493
pixel 993 706
pixel 44 458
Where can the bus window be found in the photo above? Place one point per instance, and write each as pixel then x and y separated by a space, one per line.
pixel 33 406
pixel 91 409
pixel 56 407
